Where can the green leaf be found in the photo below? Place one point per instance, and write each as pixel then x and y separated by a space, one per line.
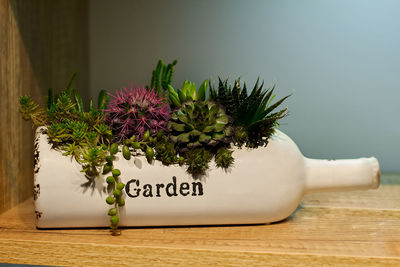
pixel 193 93
pixel 219 127
pixel 204 138
pixel 209 129
pixel 69 85
pixel 194 133
pixel 218 136
pixel 91 108
pixel 177 126
pixel 183 138
pixel 228 131
pixel 182 96
pixel 102 99
pixel 79 102
pixel 201 95
pixel 173 138
pixel 222 119
pixel 174 100
pixel 186 87
pixel 171 91
pixel 271 108
pixel 194 144
pixel 182 118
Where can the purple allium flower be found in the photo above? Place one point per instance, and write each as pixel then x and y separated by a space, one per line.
pixel 133 111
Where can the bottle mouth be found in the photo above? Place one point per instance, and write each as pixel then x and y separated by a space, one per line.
pixel 376 172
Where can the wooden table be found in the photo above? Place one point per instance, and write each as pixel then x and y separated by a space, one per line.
pixel 360 228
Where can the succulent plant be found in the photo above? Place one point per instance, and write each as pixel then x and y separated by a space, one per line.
pixel 223 158
pixel 30 110
pixel 253 116
pixel 199 124
pixel 165 150
pixel 135 110
pixel 162 76
pixel 198 160
pixel 188 92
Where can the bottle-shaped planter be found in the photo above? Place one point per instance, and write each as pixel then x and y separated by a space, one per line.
pixel 264 185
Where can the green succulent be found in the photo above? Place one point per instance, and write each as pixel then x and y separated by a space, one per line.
pixel 188 92
pixel 165 151
pixel 30 110
pixel 162 76
pixel 93 159
pixel 253 115
pixel 200 123
pixel 223 158
pixel 198 161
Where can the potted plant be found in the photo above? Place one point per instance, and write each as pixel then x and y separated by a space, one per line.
pixel 160 156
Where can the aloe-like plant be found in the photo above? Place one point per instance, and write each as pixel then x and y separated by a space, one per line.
pixel 188 92
pixel 252 114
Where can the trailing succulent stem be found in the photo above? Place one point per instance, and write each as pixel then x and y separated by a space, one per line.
pixel 253 116
pixel 139 147
pixel 115 187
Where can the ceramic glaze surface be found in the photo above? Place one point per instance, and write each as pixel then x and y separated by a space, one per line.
pixel 264 185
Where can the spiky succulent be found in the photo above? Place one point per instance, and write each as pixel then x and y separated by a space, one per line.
pixel 199 123
pixel 223 158
pixel 198 161
pixel 253 116
pixel 133 111
pixel 188 92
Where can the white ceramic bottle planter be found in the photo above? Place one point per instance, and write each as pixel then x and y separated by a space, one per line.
pixel 264 185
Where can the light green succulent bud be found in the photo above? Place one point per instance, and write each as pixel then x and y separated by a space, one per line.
pixel 120 186
pixel 116 172
pixel 114 220
pixel 110 180
pixel 114 148
pixel 110 200
pixel 121 202
pixel 149 154
pixel 126 152
pixel 117 193
pixel 112 212
pixel 136 145
pixel 107 168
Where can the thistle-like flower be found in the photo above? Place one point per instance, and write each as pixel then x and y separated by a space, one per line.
pixel 133 111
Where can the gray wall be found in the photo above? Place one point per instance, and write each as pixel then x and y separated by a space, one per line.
pixel 340 59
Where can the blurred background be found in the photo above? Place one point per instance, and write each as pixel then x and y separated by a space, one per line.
pixel 339 59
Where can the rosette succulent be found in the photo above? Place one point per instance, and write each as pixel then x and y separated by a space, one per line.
pixel 199 124
pixel 134 111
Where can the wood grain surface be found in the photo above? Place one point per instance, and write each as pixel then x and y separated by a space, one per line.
pixel 41 44
pixel 331 229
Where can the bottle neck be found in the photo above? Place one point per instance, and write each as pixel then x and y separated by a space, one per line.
pixel 341 175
